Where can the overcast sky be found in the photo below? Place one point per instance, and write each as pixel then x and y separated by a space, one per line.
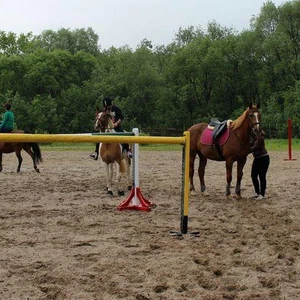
pixel 126 22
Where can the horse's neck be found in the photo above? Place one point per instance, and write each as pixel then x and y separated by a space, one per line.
pixel 110 126
pixel 243 132
pixel 109 130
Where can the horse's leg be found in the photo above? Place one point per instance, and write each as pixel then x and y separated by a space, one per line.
pixel 107 168
pixel 110 178
pixel 20 159
pixel 191 171
pixel 31 154
pixel 201 171
pixel 240 166
pixel 0 161
pixel 229 164
pixel 128 178
pixel 118 174
pixel 127 165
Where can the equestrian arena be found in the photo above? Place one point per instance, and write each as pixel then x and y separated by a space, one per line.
pixel 62 236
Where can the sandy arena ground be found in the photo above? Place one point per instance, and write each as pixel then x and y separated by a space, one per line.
pixel 61 236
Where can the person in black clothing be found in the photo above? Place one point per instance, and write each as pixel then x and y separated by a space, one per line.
pixel 260 164
pixel 117 118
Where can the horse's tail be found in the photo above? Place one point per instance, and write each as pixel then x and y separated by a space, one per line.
pixel 36 152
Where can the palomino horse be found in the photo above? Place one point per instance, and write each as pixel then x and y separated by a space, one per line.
pixel 111 154
pixel 232 146
pixel 32 149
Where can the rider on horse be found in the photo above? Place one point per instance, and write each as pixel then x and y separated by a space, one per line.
pixel 118 118
pixel 7 124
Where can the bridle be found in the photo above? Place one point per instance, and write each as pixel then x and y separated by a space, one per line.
pixel 102 121
pixel 255 126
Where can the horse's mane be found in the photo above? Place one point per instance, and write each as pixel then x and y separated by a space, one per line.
pixel 111 124
pixel 239 121
pixel 108 120
pixel 106 117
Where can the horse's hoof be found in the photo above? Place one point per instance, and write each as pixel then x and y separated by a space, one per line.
pixel 193 193
pixel 205 193
pixel 121 193
pixel 37 170
pixel 129 187
pixel 109 192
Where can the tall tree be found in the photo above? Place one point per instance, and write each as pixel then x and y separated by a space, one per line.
pixel 85 40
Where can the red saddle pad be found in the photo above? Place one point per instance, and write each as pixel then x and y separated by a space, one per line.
pixel 206 137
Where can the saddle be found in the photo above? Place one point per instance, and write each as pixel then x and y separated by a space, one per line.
pixel 216 133
pixel 218 127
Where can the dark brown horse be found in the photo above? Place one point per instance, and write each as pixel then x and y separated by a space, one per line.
pixel 232 146
pixel 111 153
pixel 32 149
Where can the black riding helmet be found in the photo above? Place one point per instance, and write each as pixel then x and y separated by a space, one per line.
pixel 107 102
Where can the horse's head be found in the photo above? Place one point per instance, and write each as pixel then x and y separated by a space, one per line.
pixel 103 121
pixel 253 115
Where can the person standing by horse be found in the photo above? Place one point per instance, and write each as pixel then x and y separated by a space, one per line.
pixel 118 117
pixel 260 164
pixel 7 124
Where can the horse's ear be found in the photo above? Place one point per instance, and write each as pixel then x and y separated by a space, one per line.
pixel 258 105
pixel 250 105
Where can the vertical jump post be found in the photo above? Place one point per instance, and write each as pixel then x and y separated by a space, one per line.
pixel 289 140
pixel 185 189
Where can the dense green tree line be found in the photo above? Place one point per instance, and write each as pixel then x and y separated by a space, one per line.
pixel 56 79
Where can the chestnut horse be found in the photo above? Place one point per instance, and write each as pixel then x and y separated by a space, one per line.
pixel 111 154
pixel 235 147
pixel 32 149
